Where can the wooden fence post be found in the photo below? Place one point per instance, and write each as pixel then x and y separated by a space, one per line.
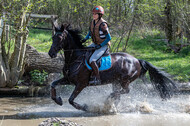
pixel 53 22
pixel 1 27
pixel 6 32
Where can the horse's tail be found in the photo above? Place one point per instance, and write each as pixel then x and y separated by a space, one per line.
pixel 160 80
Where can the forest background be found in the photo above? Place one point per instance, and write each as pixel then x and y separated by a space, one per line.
pixel 157 31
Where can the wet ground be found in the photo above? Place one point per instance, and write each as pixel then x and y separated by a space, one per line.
pixel 141 107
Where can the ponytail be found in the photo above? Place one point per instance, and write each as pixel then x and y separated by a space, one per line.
pixel 99 16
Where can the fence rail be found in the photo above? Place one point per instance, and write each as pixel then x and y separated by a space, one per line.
pixel 32 16
pixel 42 16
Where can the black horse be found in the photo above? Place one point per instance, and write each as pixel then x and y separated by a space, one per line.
pixel 125 69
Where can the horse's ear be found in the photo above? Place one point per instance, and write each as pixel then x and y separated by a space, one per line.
pixel 55 25
pixel 64 27
pixel 68 26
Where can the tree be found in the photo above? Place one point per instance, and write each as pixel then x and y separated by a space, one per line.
pixel 12 61
pixel 177 23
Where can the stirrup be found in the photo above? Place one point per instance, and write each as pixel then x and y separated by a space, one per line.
pixel 95 81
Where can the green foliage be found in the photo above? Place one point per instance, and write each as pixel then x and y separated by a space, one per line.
pixel 56 124
pixel 185 51
pixel 14 14
pixel 40 39
pixel 38 76
pixel 153 48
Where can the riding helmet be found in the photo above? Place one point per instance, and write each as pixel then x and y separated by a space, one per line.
pixel 98 10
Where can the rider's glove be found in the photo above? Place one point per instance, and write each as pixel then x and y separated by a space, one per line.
pixel 84 40
pixel 98 46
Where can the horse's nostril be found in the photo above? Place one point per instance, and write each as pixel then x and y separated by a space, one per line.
pixel 52 55
pixel 49 54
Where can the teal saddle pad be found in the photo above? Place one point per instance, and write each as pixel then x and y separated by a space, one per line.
pixel 105 63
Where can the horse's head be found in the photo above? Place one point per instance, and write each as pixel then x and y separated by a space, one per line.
pixel 66 38
pixel 59 40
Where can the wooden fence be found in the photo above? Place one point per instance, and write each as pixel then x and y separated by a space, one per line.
pixel 1 27
pixel 7 26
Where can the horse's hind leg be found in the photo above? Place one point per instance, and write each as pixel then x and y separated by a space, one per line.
pixel 116 87
pixel 114 98
pixel 119 89
pixel 125 89
pixel 126 80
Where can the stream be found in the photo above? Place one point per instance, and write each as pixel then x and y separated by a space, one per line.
pixel 140 107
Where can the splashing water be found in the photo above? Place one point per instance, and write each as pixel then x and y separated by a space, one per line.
pixel 142 106
pixel 141 98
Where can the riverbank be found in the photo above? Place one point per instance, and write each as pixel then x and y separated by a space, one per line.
pixel 25 91
pixel 117 120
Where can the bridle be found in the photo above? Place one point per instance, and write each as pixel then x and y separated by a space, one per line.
pixel 64 36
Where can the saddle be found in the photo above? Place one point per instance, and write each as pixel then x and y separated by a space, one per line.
pixel 104 62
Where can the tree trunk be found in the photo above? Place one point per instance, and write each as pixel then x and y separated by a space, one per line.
pixel 11 69
pixel 4 72
pixel 132 24
pixel 169 25
pixel 42 61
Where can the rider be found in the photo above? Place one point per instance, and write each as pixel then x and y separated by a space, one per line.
pixel 101 39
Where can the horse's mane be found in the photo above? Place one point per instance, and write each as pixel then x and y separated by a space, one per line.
pixel 76 36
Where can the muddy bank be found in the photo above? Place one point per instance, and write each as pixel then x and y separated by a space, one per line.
pixel 41 91
pixel 117 120
pixel 28 88
pixel 25 91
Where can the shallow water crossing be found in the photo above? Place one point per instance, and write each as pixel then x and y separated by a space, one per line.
pixel 141 107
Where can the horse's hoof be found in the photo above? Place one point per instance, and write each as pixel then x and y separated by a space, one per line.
pixel 59 101
pixel 85 107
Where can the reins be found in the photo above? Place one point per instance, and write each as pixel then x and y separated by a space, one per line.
pixel 64 34
pixel 67 50
pixel 69 61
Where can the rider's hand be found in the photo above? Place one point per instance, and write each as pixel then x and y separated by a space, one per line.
pixel 83 40
pixel 98 46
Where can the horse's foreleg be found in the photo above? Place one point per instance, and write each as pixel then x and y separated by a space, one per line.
pixel 75 93
pixel 57 100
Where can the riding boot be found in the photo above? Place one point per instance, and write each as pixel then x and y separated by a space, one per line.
pixel 96 77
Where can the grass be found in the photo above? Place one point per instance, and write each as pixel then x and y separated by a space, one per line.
pixel 153 49
pixel 40 39
pixel 148 45
pixel 175 64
